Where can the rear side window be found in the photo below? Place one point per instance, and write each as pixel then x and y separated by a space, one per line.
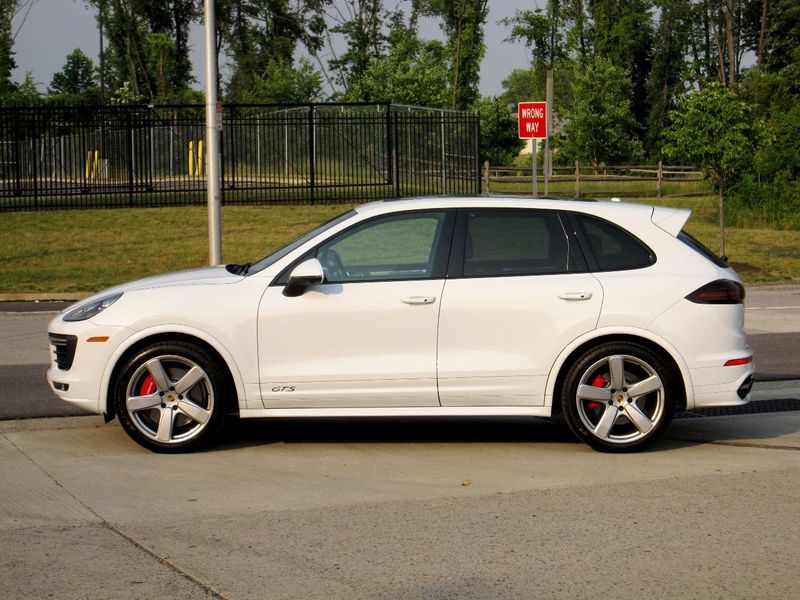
pixel 613 248
pixel 514 242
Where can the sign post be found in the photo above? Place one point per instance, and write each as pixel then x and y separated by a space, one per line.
pixel 532 125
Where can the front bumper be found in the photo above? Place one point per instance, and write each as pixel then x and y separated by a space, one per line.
pixel 79 380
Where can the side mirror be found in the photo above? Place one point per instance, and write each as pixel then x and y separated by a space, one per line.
pixel 303 276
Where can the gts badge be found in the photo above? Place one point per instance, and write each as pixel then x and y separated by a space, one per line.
pixel 283 388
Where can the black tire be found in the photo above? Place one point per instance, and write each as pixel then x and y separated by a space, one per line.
pixel 619 397
pixel 172 397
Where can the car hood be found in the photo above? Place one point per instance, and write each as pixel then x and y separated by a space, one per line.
pixel 205 276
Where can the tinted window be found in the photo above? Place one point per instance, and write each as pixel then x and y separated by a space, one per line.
pixel 394 247
pixel 613 248
pixel 514 242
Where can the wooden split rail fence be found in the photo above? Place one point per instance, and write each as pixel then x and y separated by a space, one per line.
pixel 585 181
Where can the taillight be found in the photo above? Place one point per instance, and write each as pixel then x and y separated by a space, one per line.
pixel 722 291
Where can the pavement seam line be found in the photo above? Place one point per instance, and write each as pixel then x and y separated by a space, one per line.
pixel 162 560
pixel 735 444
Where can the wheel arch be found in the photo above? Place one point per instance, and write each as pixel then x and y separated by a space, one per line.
pixel 652 342
pixel 143 339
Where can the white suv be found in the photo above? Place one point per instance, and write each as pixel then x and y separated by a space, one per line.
pixel 607 313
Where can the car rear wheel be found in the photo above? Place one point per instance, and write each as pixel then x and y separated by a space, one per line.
pixel 619 397
pixel 171 397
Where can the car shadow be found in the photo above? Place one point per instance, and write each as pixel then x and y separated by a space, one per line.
pixel 747 429
pixel 751 429
pixel 399 430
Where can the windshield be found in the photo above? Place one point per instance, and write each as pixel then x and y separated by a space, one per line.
pixel 278 254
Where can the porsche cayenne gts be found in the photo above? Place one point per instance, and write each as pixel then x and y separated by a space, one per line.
pixel 604 312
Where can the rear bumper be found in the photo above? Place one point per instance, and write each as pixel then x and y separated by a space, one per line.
pixel 722 386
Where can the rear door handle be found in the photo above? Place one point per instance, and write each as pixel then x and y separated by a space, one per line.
pixel 573 296
pixel 419 299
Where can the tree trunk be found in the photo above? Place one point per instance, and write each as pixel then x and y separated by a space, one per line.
pixel 732 56
pixel 720 52
pixel 456 66
pixel 721 220
pixel 761 34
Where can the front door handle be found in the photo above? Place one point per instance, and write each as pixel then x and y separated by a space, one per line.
pixel 419 299
pixel 573 296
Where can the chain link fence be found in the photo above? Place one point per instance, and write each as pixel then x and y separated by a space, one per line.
pixel 54 158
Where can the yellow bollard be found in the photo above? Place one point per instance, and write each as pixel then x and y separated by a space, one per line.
pixel 191 158
pixel 200 158
pixel 96 164
pixel 88 169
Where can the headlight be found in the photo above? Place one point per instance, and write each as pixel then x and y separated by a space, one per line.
pixel 91 309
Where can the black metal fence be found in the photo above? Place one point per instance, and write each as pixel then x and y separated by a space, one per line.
pixel 101 157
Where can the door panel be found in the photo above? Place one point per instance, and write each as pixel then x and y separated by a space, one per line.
pixel 367 336
pixel 499 336
pixel 350 345
pixel 519 294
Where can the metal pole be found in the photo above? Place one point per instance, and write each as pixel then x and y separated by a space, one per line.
pixel 535 168
pixel 548 158
pixel 444 163
pixel 100 10
pixel 212 138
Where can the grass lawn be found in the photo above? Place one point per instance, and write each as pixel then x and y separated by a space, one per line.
pixel 88 250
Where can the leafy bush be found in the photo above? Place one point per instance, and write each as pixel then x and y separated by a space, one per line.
pixel 774 203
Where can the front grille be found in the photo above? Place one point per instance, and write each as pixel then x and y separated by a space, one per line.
pixel 64 349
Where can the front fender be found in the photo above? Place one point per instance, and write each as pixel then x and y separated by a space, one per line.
pixel 160 331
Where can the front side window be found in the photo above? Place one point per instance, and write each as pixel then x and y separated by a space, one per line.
pixel 388 248
pixel 514 242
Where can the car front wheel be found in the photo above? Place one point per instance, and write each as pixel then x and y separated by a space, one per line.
pixel 619 397
pixel 171 397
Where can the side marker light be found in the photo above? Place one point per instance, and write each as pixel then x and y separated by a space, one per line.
pixel 739 361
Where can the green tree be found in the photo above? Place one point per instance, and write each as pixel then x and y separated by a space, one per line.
pixel 499 143
pixel 412 71
pixel 599 126
pixel 666 81
pixel 77 80
pixel 27 92
pixel 623 34
pixel 782 42
pixel 282 83
pixel 715 131
pixel 147 46
pixel 463 23
pixel 260 38
pixel 7 63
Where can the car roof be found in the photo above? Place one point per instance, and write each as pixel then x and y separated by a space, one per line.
pixel 630 214
pixel 588 206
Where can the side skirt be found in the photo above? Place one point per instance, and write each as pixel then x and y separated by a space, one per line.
pixel 403 411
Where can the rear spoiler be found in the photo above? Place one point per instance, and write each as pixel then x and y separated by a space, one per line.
pixel 671 220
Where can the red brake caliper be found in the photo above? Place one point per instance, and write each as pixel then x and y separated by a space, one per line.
pixel 148 386
pixel 599 381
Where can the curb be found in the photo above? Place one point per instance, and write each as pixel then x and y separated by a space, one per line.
pixel 45 297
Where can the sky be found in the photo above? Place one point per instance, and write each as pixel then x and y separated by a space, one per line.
pixel 54 28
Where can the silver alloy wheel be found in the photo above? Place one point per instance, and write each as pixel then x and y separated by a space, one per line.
pixel 620 399
pixel 169 399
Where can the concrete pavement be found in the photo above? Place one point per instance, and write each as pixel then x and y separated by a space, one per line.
pixel 493 509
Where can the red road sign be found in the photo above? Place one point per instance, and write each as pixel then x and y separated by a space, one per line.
pixel 532 118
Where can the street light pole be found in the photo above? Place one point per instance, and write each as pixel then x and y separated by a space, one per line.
pixel 212 138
